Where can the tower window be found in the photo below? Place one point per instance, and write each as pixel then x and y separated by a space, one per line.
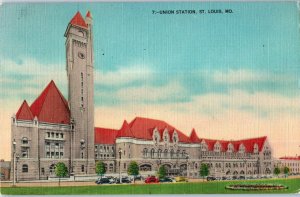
pixel 25 168
pixel 82 168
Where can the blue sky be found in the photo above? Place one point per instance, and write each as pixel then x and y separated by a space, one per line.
pixel 158 60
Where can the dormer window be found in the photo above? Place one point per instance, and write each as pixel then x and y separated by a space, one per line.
pixel 203 146
pixel 230 148
pixel 255 148
pixel 166 136
pixel 175 137
pixel 242 148
pixel 217 147
pixel 156 136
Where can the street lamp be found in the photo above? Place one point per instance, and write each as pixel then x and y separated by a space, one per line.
pixel 120 156
pixel 187 165
pixel 14 164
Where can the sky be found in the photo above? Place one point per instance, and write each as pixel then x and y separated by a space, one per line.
pixel 229 75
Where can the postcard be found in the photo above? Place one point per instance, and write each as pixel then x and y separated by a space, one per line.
pixel 150 98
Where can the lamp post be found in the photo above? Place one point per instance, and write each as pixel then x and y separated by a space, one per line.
pixel 187 165
pixel 14 163
pixel 120 156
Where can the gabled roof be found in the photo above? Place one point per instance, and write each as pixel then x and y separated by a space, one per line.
pixel 141 129
pixel 88 14
pixel 105 136
pixel 77 20
pixel 51 106
pixel 125 130
pixel 24 112
pixel 194 137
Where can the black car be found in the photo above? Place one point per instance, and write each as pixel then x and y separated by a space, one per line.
pixel 138 178
pixel 103 181
pixel 211 178
pixel 166 180
pixel 124 180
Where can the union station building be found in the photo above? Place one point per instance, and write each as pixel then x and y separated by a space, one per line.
pixel 55 129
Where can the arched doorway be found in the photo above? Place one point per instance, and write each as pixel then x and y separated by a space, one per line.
pixel 145 167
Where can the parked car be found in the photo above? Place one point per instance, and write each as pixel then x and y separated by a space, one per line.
pixel 103 181
pixel 210 178
pixel 151 179
pixel 242 178
pixel 224 178
pixel 166 180
pixel 181 179
pixel 124 180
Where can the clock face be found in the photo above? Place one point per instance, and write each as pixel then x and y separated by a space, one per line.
pixel 81 55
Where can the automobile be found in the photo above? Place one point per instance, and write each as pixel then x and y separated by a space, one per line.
pixel 103 181
pixel 210 178
pixel 166 180
pixel 224 178
pixel 181 179
pixel 151 179
pixel 123 179
pixel 241 178
pixel 137 178
pixel 218 178
pixel 234 178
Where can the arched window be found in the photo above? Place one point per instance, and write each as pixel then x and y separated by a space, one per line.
pixel 183 154
pixel 24 140
pixel 159 153
pixel 166 153
pixel 152 153
pixel 24 168
pixel 145 152
pixel 172 153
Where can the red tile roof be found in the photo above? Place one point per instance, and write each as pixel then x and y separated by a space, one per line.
pixel 125 131
pixel 77 20
pixel 290 158
pixel 105 136
pixel 24 112
pixel 51 106
pixel 193 137
pixel 142 128
pixel 88 14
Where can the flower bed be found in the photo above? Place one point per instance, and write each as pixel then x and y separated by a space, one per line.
pixel 256 187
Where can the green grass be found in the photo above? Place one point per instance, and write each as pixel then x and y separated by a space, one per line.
pixel 173 188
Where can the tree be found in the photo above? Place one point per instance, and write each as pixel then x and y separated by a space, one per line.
pixel 100 168
pixel 276 171
pixel 286 170
pixel 162 172
pixel 61 170
pixel 204 170
pixel 133 169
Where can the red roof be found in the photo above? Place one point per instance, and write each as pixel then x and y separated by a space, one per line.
pixel 24 112
pixel 51 106
pixel 142 128
pixel 193 137
pixel 78 20
pixel 125 130
pixel 88 14
pixel 290 158
pixel 105 136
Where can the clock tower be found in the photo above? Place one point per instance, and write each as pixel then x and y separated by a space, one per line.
pixel 80 71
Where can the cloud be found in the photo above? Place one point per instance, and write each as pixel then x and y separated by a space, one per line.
pixel 124 75
pixel 27 77
pixel 220 116
pixel 243 76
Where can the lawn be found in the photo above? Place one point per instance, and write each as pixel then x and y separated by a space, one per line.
pixel 173 188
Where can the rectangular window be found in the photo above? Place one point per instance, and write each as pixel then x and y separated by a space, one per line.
pixel 61 154
pixel 48 134
pixel 82 168
pixel 56 135
pixel 124 165
pixel 48 155
pixel 62 135
pixel 43 171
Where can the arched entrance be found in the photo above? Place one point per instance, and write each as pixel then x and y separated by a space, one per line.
pixel 145 167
